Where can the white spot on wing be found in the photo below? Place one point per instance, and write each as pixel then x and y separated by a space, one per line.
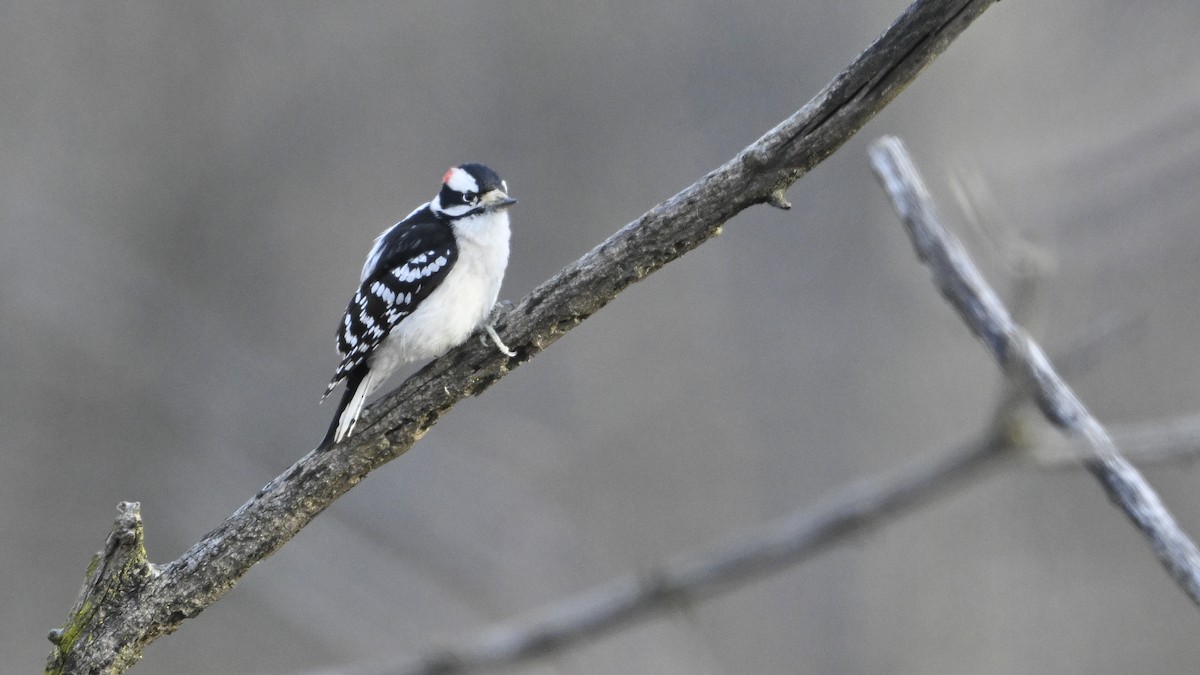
pixel 384 293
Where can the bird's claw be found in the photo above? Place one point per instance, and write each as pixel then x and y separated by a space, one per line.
pixel 498 310
pixel 491 331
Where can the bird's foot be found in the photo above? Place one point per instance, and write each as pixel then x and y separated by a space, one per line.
pixel 489 326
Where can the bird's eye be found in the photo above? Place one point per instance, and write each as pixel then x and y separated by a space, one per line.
pixel 470 197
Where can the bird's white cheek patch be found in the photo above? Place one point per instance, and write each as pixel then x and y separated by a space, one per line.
pixel 460 181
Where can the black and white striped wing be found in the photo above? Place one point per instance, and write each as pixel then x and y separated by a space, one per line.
pixel 404 267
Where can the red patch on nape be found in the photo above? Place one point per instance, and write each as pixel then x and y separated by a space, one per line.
pixel 449 172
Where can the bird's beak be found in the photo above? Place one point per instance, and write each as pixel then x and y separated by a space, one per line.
pixel 498 200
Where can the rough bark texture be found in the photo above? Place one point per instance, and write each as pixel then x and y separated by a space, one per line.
pixel 119 614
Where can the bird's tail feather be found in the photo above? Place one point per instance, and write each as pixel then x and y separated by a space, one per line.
pixel 358 383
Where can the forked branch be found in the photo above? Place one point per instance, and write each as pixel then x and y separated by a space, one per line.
pixel 1023 360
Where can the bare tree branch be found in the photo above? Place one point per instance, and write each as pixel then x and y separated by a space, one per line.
pixel 852 510
pixel 121 614
pixel 1023 360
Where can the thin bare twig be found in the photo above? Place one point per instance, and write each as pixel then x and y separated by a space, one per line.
pixel 1173 440
pixel 1023 360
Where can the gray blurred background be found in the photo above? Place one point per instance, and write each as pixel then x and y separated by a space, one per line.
pixel 187 191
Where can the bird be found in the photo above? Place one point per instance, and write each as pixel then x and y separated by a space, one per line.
pixel 428 283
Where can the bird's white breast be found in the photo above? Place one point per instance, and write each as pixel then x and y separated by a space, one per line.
pixel 461 302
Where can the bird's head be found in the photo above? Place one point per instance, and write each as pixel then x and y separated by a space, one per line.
pixel 470 189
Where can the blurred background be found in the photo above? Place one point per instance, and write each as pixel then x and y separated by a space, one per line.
pixel 187 192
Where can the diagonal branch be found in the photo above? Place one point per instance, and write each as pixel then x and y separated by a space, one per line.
pixel 758 174
pixel 856 508
pixel 1024 361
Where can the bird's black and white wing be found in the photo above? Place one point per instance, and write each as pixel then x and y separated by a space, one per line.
pixel 404 266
